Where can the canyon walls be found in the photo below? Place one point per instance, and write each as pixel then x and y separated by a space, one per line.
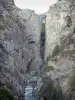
pixel 20 60
pixel 60 43
pixel 22 47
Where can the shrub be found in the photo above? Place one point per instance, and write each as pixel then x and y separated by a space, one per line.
pixel 68 21
pixel 72 80
pixel 1 17
pixel 46 89
pixel 58 95
pixel 48 58
pixel 56 50
pixel 1 84
pixel 5 94
pixel 49 68
pixel 8 85
pixel 2 25
pixel 74 30
pixel 51 91
pixel 15 98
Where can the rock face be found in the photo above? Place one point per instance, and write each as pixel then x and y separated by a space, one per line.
pixel 60 41
pixel 20 60
pixel 19 47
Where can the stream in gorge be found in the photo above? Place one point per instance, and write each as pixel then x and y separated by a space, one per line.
pixel 31 90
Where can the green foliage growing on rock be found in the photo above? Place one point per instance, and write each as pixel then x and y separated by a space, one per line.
pixel 8 85
pixel 51 91
pixel 1 27
pixel 1 22
pixel 72 80
pixel 56 50
pixel 15 98
pixel 49 68
pixel 46 89
pixel 48 58
pixel 5 94
pixel 74 30
pixel 68 21
pixel 1 17
pixel 1 84
pixel 58 95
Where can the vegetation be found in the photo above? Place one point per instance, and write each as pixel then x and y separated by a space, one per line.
pixel 68 21
pixel 1 22
pixel 1 17
pixel 15 98
pixel 8 85
pixel 58 92
pixel 56 50
pixel 74 30
pixel 51 91
pixel 1 84
pixel 72 80
pixel 49 68
pixel 46 89
pixel 5 94
pixel 48 58
pixel 1 27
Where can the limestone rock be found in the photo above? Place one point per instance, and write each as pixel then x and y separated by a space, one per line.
pixel 19 46
pixel 60 44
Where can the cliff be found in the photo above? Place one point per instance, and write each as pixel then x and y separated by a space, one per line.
pixel 23 43
pixel 60 44
pixel 19 47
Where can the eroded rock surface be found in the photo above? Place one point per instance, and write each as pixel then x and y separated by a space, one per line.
pixel 60 41
pixel 19 47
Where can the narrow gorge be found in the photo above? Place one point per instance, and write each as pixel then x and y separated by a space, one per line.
pixel 37 52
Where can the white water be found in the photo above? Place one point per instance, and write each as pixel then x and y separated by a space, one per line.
pixel 30 93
